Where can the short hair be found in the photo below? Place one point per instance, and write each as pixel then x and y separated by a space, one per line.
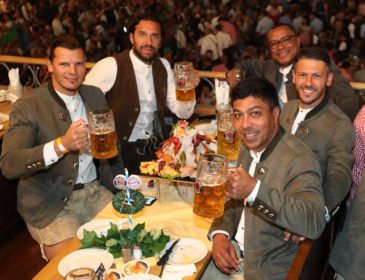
pixel 256 87
pixel 65 41
pixel 149 17
pixel 315 53
pixel 290 27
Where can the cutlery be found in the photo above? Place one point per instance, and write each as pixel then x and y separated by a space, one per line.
pixel 165 256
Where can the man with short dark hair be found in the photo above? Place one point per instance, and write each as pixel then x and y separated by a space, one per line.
pixel 60 186
pixel 277 185
pixel 140 88
pixel 321 125
pixel 284 44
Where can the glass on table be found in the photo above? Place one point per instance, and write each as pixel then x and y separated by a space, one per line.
pixel 184 81
pixel 102 133
pixel 210 186
pixel 228 141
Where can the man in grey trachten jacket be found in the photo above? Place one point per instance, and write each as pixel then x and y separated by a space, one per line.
pixel 320 124
pixel 277 186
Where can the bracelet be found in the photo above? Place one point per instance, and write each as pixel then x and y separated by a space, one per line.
pixel 60 146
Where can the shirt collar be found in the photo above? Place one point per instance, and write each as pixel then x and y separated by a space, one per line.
pixel 256 156
pixel 285 70
pixel 138 65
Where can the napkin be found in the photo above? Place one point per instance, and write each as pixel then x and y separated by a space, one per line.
pixel 221 92
pixel 15 89
pixel 177 272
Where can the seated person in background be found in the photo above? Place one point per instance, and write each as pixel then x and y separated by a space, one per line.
pixel 321 125
pixel 139 87
pixel 276 186
pixel 347 257
pixel 284 44
pixel 46 147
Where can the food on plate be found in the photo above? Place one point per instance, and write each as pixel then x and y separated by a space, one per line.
pixel 151 184
pixel 135 267
pixel 178 155
pixel 112 274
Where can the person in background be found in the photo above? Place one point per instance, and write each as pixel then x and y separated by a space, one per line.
pixel 284 44
pixel 140 87
pixel 60 186
pixel 276 185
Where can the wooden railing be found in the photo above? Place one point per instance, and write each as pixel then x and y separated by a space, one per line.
pixel 204 74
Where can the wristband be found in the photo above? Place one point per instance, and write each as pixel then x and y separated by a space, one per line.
pixel 60 146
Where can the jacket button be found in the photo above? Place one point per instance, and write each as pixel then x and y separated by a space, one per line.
pixel 260 207
pixel 271 215
pixel 61 117
pixel 261 171
pixel 64 198
pixel 70 182
pixel 288 121
pixel 34 165
pixel 136 109
pixel 125 138
pixel 76 164
pixel 266 211
pixel 29 167
pixel 305 130
pixel 130 124
pixel 39 163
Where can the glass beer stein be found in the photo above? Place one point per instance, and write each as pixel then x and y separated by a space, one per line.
pixel 102 133
pixel 228 141
pixel 210 186
pixel 184 81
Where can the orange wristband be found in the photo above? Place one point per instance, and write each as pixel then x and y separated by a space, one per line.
pixel 60 146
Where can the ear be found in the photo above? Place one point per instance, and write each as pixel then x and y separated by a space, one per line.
pixel 49 66
pixel 276 113
pixel 329 79
pixel 293 74
pixel 131 38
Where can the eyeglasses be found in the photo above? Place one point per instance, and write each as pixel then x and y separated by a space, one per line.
pixel 285 41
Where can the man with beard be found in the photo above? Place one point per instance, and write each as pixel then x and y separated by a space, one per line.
pixel 139 87
pixel 283 44
pixel 320 124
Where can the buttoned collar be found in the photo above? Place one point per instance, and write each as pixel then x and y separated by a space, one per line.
pixel 285 71
pixel 138 65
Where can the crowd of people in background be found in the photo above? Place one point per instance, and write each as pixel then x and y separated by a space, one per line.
pixel 214 34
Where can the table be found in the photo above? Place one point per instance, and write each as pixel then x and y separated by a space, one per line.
pixel 5 108
pixel 171 212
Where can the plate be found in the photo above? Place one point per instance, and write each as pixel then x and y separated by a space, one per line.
pixel 144 186
pixel 100 226
pixel 141 277
pixel 143 266
pixel 187 251
pixel 91 258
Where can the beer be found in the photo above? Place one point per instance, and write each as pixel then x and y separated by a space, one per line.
pixel 210 189
pixel 209 203
pixel 228 144
pixel 103 144
pixel 185 94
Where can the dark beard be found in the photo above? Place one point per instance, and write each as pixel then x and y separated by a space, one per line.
pixel 147 60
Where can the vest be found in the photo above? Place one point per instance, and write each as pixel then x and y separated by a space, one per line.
pixel 123 97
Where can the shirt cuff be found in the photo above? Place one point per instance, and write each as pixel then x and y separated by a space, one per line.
pixel 186 109
pixel 49 153
pixel 251 198
pixel 210 236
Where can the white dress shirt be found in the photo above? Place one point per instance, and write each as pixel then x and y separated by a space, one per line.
pixel 87 170
pixel 104 73
pixel 240 234
pixel 299 118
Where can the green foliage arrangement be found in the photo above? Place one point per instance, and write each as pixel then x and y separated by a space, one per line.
pixel 151 242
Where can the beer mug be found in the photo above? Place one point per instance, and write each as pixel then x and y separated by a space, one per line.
pixel 228 141
pixel 102 133
pixel 210 186
pixel 184 81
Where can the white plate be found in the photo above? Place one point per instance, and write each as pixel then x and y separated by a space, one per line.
pixel 101 226
pixel 141 277
pixel 144 186
pixel 187 251
pixel 91 258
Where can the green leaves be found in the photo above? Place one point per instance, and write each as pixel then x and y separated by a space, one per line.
pixel 151 242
